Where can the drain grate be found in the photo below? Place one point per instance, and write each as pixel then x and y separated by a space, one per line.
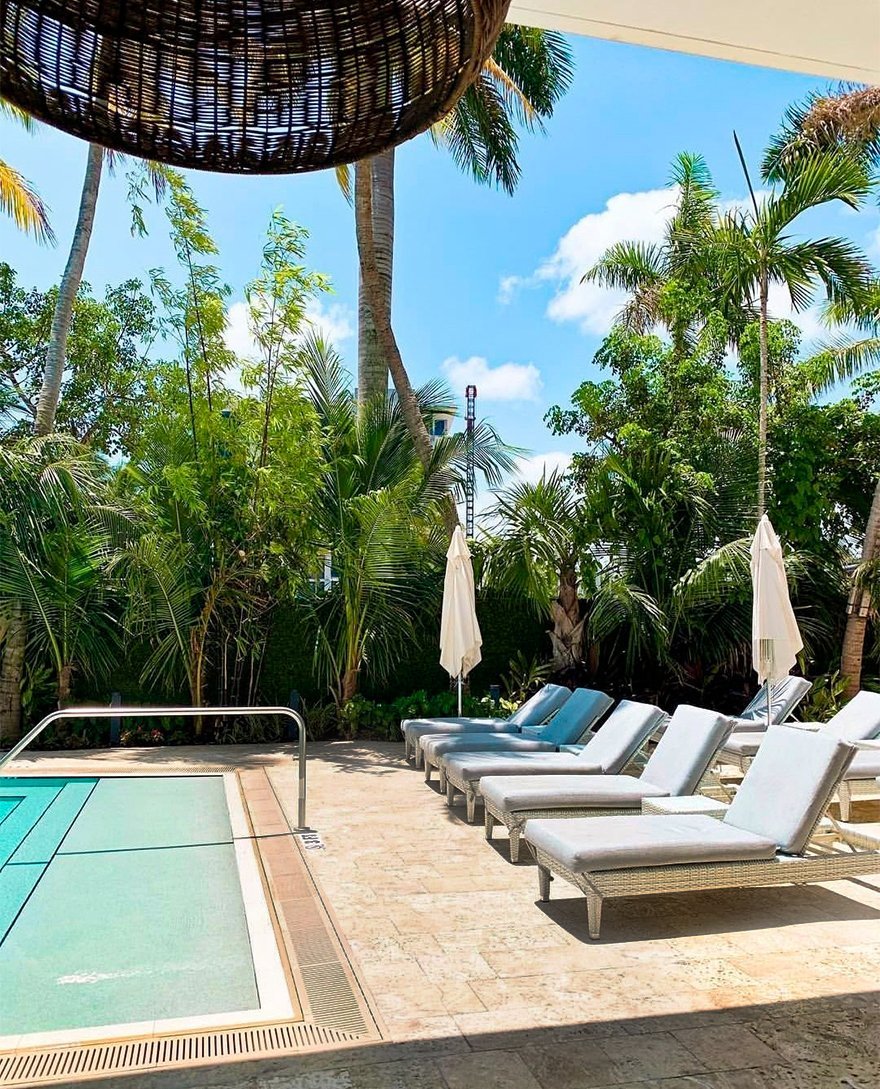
pixel 82 1061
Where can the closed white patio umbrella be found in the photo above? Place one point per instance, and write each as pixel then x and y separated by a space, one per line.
pixel 460 638
pixel 776 638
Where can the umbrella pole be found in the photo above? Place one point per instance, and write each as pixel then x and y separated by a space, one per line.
pixel 769 700
pixel 459 695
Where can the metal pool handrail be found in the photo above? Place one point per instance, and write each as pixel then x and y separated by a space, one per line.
pixel 174 712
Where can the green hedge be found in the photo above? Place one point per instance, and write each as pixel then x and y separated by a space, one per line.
pixel 507 628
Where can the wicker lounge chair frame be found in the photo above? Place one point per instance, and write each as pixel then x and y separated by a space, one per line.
pixel 516 822
pixel 817 863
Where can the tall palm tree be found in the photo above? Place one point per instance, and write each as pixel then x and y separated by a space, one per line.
pixel 848 122
pixel 528 72
pixel 56 349
pixel 646 270
pixel 18 198
pixel 750 249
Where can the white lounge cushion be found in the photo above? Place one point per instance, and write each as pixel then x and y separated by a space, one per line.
pixel 511 793
pixel 865 765
pixel 686 748
pixel 435 745
pixel 593 844
pixel 622 734
pixel 786 788
pixel 859 720
pixel 472 766
pixel 425 727
pixel 741 743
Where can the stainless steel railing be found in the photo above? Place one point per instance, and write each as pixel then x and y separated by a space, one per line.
pixel 176 712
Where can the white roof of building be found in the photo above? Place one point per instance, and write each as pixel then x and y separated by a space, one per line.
pixel 839 39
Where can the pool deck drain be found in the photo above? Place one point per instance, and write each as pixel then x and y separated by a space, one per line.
pixel 331 1007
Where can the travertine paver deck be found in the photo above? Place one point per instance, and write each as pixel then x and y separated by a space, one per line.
pixel 480 986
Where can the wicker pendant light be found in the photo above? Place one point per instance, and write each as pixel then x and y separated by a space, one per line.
pixel 247 86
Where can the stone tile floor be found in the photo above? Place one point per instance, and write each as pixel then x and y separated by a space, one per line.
pixel 480 987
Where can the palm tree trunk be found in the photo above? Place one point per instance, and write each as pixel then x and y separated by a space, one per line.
pixel 859 606
pixel 372 287
pixel 372 364
pixel 567 635
pixel 11 670
pixel 764 394
pixel 56 352
pixel 65 685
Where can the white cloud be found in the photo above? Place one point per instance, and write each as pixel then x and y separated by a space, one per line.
pixel 506 382
pixel 532 468
pixel 627 217
pixel 508 287
pixel 333 321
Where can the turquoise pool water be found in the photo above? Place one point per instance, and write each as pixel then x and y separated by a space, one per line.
pixel 120 901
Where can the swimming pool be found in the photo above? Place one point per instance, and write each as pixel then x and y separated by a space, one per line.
pixel 130 904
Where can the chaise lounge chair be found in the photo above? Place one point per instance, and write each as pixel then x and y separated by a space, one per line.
pixel 608 752
pixel 580 712
pixel 860 778
pixel 536 710
pixel 859 720
pixel 787 694
pixel 764 838
pixel 675 767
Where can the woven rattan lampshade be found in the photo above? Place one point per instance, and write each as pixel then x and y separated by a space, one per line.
pixel 248 86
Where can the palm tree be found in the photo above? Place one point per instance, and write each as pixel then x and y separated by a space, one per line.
pixel 848 122
pixel 51 494
pixel 56 349
pixel 646 271
pixel 533 552
pixel 749 250
pixel 18 198
pixel 375 517
pixel 528 72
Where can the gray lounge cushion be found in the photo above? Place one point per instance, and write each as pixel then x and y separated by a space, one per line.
pixel 593 844
pixel 436 745
pixel 787 786
pixel 622 734
pixel 536 709
pixel 865 765
pixel 474 765
pixel 425 727
pixel 787 694
pixel 859 720
pixel 512 793
pixel 578 714
pixel 742 743
pixel 690 740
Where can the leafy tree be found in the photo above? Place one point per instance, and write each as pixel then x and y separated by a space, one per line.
pixel 223 478
pixel 111 379
pixel 71 278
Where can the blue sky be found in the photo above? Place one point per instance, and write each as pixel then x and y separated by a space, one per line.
pixel 482 280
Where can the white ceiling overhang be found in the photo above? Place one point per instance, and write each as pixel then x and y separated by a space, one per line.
pixel 838 39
